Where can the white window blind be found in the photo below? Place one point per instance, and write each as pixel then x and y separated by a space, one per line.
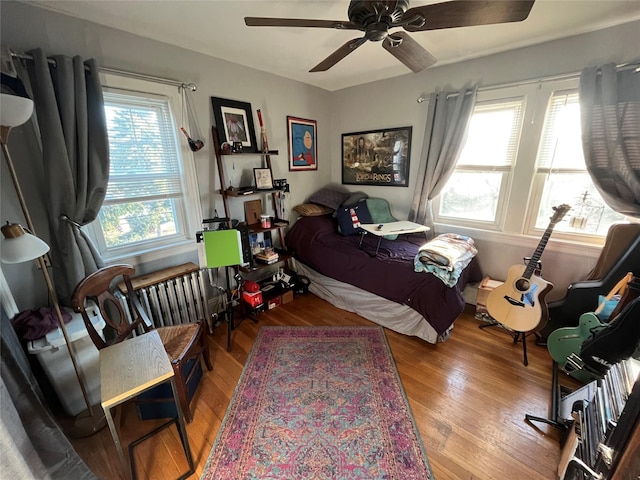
pixel 560 145
pixel 144 159
pixel 493 135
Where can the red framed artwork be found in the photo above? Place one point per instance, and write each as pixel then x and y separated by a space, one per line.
pixel 303 150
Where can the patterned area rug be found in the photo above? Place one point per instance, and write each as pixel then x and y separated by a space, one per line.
pixel 319 403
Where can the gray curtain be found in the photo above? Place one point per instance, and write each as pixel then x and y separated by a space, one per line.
pixel 447 122
pixel 69 113
pixel 31 443
pixel 610 111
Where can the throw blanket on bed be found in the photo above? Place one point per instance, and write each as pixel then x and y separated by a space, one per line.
pixel 446 256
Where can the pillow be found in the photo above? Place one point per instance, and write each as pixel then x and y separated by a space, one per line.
pixel 312 210
pixel 354 198
pixel 350 218
pixel 329 197
pixel 379 210
pixel 381 213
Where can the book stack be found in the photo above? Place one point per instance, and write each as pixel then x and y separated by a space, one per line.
pixel 267 256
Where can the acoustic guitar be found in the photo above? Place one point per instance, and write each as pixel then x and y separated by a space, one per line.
pixel 518 303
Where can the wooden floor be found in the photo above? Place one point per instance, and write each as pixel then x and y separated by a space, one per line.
pixel 469 396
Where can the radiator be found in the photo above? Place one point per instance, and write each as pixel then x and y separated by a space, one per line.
pixel 181 299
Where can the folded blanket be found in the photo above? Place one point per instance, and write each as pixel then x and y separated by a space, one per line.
pixel 445 256
pixel 447 249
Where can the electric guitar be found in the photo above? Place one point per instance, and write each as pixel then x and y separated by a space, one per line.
pixel 564 345
pixel 518 303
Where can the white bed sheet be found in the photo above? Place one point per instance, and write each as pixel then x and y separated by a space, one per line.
pixel 394 316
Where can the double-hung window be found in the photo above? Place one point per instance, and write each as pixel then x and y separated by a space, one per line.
pixel 561 173
pixel 521 157
pixel 479 186
pixel 151 196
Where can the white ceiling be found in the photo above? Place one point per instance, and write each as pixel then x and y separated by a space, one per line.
pixel 216 28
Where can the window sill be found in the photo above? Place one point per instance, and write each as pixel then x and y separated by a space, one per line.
pixel 153 254
pixel 530 242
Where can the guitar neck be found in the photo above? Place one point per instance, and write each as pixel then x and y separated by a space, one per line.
pixel 535 258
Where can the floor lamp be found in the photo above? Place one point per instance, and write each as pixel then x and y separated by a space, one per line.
pixel 19 246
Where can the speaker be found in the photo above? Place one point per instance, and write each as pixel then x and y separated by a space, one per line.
pixel 246 246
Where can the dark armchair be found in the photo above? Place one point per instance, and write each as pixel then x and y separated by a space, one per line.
pixel 620 254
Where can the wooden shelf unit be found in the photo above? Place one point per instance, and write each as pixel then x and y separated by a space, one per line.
pixel 236 193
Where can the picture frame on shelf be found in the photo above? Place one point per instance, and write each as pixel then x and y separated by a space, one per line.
pixel 264 179
pixel 234 123
pixel 252 211
pixel 377 157
pixel 303 150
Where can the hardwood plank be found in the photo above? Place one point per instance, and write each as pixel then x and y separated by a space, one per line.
pixel 468 395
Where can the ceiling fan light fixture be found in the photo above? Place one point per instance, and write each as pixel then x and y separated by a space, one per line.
pixel 376 31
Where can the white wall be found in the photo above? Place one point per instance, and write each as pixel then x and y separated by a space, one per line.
pixel 383 104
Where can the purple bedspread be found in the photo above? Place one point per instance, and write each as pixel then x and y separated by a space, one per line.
pixel 316 242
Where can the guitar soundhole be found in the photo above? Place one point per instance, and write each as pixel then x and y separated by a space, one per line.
pixel 522 284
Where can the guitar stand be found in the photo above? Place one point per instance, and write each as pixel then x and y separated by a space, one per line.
pixel 517 336
pixel 521 336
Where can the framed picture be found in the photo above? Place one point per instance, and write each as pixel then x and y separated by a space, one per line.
pixel 252 211
pixel 234 123
pixel 377 157
pixel 264 181
pixel 303 150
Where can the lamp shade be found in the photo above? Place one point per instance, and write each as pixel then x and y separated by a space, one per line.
pixel 19 246
pixel 14 110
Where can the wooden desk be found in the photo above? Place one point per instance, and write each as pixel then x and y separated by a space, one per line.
pixel 391 228
pixel 130 368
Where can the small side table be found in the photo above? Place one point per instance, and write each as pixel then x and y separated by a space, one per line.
pixel 130 368
pixel 392 228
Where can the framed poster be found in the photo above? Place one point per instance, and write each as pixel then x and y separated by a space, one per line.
pixel 377 157
pixel 303 150
pixel 234 123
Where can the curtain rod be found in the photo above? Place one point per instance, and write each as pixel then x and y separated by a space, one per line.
pixel 123 73
pixel 550 78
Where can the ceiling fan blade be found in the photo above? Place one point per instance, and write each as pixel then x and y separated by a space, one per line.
pixel 298 22
pixel 408 51
pixel 338 55
pixel 466 13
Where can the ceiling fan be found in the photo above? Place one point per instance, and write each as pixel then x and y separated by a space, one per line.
pixel 376 17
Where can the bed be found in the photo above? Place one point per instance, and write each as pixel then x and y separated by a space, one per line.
pixel 383 288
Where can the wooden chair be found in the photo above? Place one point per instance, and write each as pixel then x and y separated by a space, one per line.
pixel 185 344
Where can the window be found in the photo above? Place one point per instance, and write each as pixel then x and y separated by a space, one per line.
pixel 147 202
pixel 523 156
pixel 479 184
pixel 562 173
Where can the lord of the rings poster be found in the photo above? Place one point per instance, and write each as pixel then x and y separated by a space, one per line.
pixel 378 157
